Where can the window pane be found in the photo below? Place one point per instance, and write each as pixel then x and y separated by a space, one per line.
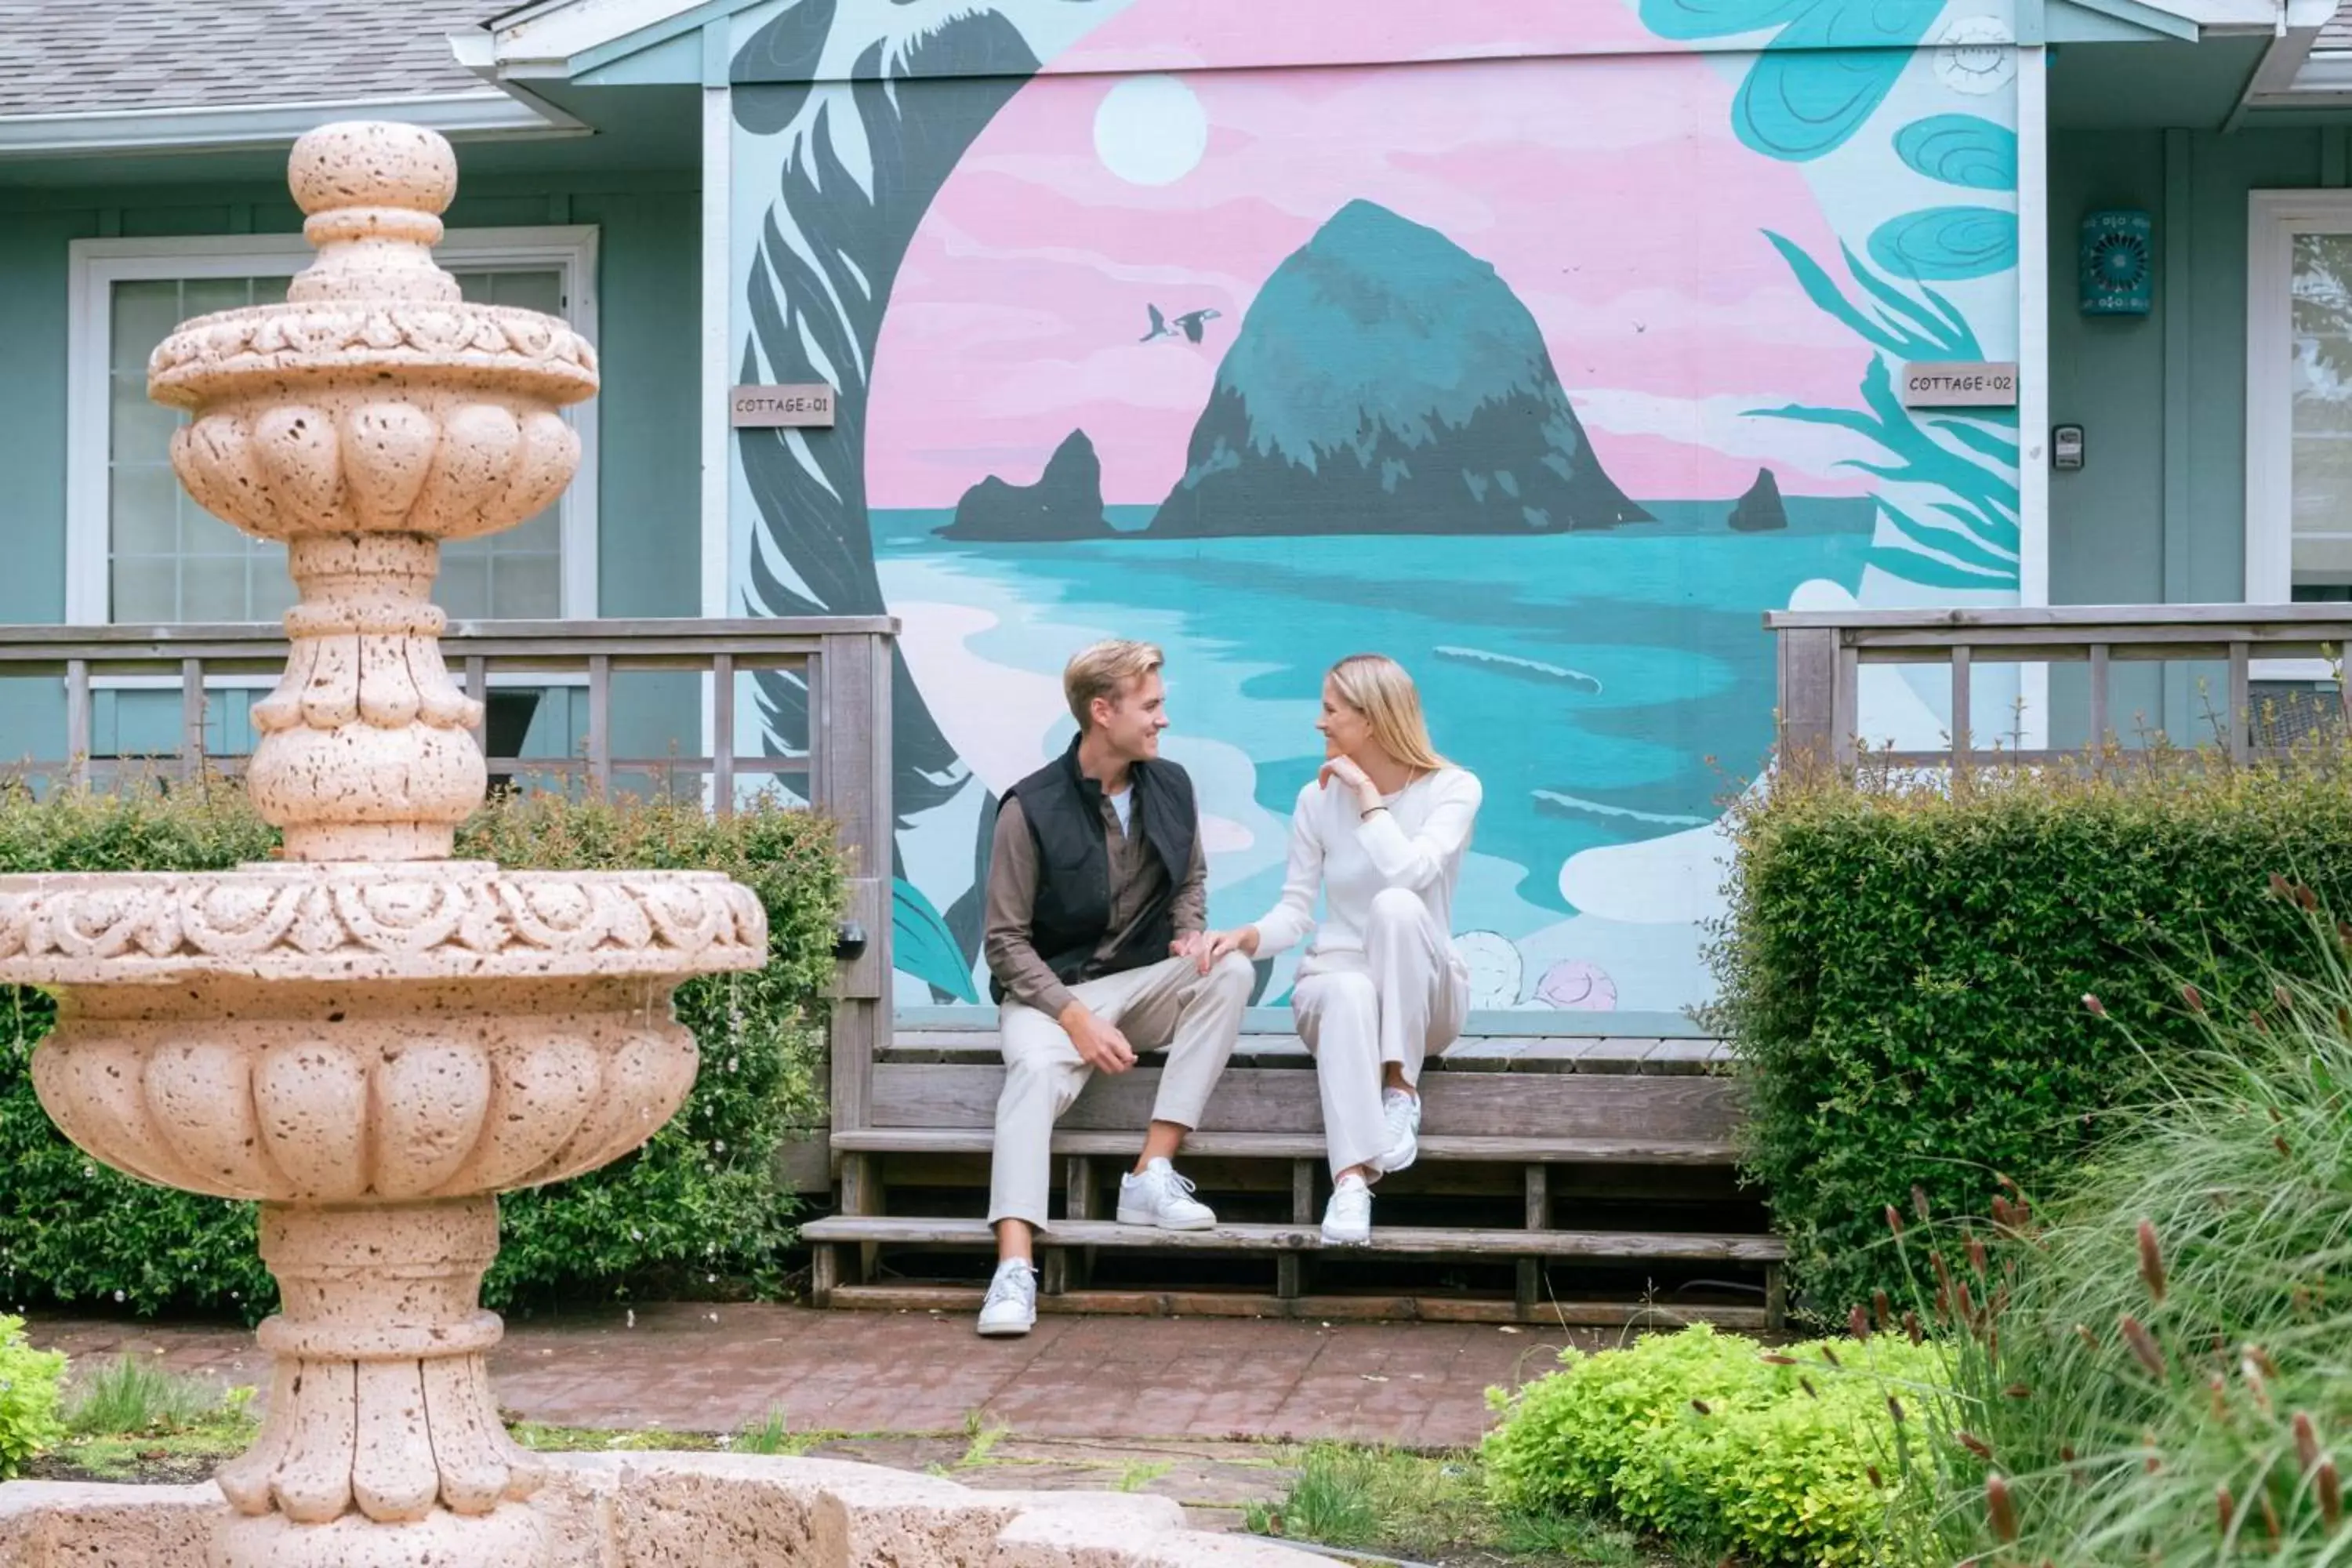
pixel 2321 430
pixel 527 588
pixel 212 587
pixel 146 590
pixel 170 559
pixel 203 296
pixel 145 509
pixel 144 314
pixel 463 589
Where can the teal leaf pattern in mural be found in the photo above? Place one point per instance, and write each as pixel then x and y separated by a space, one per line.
pixel 1961 150
pixel 1829 66
pixel 1947 242
pixel 923 946
pixel 1972 539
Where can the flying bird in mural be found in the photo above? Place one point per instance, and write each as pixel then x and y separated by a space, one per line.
pixel 1189 324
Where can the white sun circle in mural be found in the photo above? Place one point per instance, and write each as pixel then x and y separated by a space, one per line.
pixel 1151 131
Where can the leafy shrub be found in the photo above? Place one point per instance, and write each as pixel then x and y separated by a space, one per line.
pixel 28 1397
pixel 2165 1365
pixel 1708 1439
pixel 1901 967
pixel 701 1203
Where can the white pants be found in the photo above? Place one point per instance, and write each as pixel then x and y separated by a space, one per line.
pixel 1406 995
pixel 1197 1016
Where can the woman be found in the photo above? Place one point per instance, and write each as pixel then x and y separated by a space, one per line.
pixel 1380 833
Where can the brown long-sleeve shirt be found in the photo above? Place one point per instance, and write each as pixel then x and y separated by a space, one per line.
pixel 1136 879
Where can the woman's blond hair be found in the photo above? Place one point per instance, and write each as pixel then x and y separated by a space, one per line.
pixel 1377 686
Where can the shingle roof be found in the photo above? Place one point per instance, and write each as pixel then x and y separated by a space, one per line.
pixel 67 57
pixel 2337 33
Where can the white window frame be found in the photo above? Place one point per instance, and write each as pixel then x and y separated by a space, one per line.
pixel 95 266
pixel 2275 218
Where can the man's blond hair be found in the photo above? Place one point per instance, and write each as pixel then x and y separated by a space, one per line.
pixel 1105 670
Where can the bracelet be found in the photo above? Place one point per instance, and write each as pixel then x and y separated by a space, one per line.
pixel 1366 814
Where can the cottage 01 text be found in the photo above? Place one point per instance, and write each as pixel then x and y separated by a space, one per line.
pixel 1960 384
pixel 770 407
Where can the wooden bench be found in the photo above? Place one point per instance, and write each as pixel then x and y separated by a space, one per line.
pixel 1526 1122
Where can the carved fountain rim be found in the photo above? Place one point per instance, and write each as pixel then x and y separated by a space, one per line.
pixel 430 920
pixel 255 348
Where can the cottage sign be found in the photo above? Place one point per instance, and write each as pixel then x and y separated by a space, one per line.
pixel 1960 384
pixel 774 408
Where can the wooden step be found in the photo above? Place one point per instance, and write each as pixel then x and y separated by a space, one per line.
pixel 1613 1054
pixel 1432 1242
pixel 962 1300
pixel 1636 1109
pixel 1452 1148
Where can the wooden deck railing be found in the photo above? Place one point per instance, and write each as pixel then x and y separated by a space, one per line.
pixel 1822 653
pixel 844 663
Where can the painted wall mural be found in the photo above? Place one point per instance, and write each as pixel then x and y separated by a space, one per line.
pixel 1544 356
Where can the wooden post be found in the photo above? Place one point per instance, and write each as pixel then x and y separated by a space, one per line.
pixel 722 734
pixel 600 724
pixel 1290 1268
pixel 825 1273
pixel 2238 715
pixel 849 747
pixel 1962 725
pixel 192 718
pixel 77 721
pixel 1776 1296
pixel 2099 696
pixel 1539 1218
pixel 1809 697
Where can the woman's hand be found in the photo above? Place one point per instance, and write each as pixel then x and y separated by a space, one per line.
pixel 1208 947
pixel 1353 778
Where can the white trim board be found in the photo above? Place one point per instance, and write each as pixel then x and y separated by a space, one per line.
pixel 2033 372
pixel 94 266
pixel 2273 219
pixel 462 116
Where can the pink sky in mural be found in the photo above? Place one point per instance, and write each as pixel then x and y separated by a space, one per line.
pixel 1611 195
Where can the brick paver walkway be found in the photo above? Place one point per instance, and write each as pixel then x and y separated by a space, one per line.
pixel 715 1368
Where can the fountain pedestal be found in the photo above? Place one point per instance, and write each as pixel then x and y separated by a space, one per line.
pixel 369 1038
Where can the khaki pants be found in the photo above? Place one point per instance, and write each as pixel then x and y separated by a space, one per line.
pixel 1197 1016
pixel 1407 994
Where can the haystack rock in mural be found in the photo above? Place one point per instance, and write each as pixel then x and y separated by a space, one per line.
pixel 1545 374
pixel 1386 381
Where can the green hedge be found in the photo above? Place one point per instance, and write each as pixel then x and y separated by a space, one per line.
pixel 1903 971
pixel 700 1208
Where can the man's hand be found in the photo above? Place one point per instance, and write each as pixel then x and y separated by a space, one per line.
pixel 1099 1044
pixel 1205 948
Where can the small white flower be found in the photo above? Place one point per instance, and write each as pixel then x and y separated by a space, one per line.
pixel 117 1295
pixel 718 1147
pixel 636 1235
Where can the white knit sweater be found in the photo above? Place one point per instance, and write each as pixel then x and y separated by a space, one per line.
pixel 1417 845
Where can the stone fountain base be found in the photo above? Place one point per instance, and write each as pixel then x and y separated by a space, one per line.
pixel 671 1510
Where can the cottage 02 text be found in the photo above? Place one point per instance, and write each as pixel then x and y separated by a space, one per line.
pixel 770 407
pixel 1960 384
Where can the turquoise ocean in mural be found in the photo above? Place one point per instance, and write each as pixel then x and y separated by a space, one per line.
pixel 1608 687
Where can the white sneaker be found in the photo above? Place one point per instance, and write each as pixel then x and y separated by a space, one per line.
pixel 1161 1197
pixel 1402 1111
pixel 1348 1218
pixel 1011 1309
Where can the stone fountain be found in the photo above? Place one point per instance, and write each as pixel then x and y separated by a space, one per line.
pixel 372 1040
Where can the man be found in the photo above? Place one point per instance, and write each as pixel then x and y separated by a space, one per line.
pixel 1096 909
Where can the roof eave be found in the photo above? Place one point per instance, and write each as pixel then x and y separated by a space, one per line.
pixel 499 115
